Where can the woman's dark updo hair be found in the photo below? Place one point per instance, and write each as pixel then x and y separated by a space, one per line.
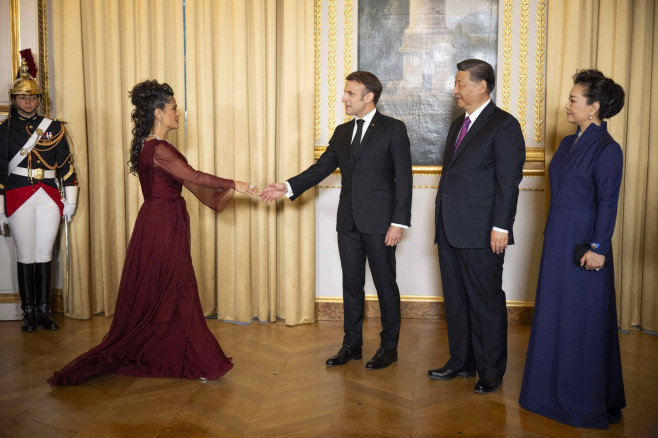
pixel 146 96
pixel 600 89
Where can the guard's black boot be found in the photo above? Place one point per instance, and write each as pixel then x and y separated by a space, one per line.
pixel 43 277
pixel 26 291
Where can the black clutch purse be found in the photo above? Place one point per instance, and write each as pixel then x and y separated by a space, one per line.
pixel 580 250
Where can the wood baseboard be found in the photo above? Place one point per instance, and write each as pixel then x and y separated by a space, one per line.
pixel 56 300
pixel 518 313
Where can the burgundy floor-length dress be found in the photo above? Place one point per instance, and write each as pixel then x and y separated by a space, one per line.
pixel 158 328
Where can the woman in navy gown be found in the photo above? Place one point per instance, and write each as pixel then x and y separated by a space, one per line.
pixel 158 328
pixel 573 367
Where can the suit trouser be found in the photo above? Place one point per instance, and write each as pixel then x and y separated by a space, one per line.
pixel 354 247
pixel 475 305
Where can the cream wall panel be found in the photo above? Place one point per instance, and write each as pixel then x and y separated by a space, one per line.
pixel 417 260
pixel 30 27
pixel 521 65
pixel 336 57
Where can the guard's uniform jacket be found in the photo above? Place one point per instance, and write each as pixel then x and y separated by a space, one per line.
pixel 50 157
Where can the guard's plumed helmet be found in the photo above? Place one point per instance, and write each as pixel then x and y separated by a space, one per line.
pixel 25 84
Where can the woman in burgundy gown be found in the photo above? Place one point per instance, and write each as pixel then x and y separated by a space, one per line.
pixel 158 328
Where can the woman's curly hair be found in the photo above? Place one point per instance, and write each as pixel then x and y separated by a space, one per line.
pixel 600 89
pixel 146 96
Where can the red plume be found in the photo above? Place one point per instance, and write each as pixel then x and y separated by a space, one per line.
pixel 31 65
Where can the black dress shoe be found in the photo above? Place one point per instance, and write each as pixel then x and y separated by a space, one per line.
pixel 445 373
pixel 486 386
pixel 344 355
pixel 45 318
pixel 382 359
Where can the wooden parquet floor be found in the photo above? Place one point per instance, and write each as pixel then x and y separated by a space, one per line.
pixel 280 387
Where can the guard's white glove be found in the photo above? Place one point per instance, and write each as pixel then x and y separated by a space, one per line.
pixel 3 217
pixel 71 202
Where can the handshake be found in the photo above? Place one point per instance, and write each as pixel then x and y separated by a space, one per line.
pixel 273 191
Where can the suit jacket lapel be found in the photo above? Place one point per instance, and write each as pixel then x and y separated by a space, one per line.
pixel 473 130
pixel 344 141
pixel 452 139
pixel 369 133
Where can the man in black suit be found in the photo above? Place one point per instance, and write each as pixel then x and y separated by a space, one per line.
pixel 475 209
pixel 374 158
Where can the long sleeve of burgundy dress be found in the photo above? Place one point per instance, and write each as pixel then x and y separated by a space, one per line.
pixel 159 328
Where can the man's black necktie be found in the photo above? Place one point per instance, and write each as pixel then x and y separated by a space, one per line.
pixel 356 142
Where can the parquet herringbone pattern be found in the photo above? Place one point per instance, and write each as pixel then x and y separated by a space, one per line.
pixel 280 387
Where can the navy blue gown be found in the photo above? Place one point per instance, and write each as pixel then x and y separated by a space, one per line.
pixel 573 366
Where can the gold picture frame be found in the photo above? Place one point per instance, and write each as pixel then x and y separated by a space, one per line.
pixel 534 163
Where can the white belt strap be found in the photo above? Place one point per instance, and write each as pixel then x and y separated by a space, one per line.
pixel 27 147
pixel 35 173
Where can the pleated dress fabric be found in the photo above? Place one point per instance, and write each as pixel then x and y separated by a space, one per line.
pixel 159 328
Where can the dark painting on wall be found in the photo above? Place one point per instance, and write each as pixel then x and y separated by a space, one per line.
pixel 413 47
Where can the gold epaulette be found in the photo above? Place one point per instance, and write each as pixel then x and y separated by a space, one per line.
pixel 4 120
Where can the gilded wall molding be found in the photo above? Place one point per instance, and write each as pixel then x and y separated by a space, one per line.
pixel 540 56
pixel 533 155
pixel 9 298
pixel 420 298
pixel 335 57
pixel 524 189
pixel 317 40
pixel 522 56
pixel 507 55
pixel 348 37
pixel 15 25
pixel 331 70
pixel 523 65
pixel 44 76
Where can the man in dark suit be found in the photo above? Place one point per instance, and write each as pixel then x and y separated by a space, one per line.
pixel 475 209
pixel 373 154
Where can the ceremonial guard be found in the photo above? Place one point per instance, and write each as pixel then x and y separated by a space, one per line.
pixel 37 187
